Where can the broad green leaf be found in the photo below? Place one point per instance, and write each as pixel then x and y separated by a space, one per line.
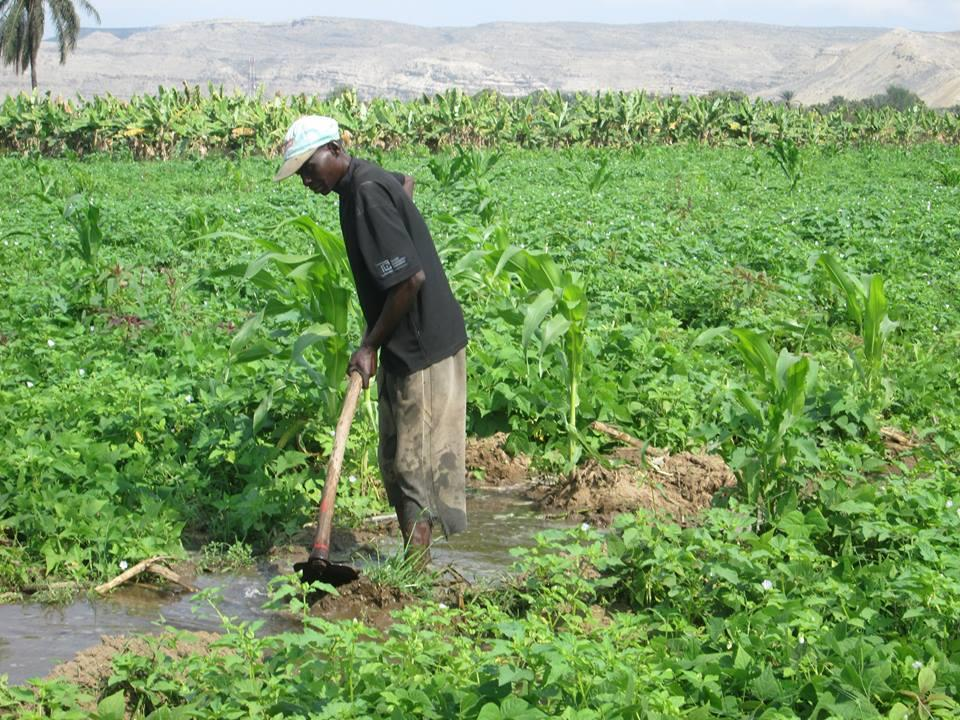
pixel 112 707
pixel 535 313
pixel 708 335
pixel 245 332
pixel 554 329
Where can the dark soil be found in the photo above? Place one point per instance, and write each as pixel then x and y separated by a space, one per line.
pixel 674 487
pixel 363 600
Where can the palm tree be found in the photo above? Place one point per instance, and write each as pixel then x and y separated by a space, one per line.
pixel 21 30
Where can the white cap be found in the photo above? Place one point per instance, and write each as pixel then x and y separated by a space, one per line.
pixel 302 140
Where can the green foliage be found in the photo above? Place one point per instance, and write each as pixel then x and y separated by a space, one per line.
pixel 788 157
pixel 773 424
pixel 867 308
pixel 192 122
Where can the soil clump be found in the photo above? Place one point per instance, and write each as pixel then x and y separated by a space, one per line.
pixel 490 465
pixel 675 487
pixel 363 600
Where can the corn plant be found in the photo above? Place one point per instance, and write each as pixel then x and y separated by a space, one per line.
pixel 867 309
pixel 772 421
pixel 311 297
pixel 788 157
pixel 554 314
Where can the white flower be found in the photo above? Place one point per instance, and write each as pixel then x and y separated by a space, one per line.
pixel 917 664
pixel 353 478
pixel 188 398
pixel 729 645
pixel 123 564
pixel 442 606
pixel 92 328
pixel 50 343
pixel 333 433
pixel 949 504
pixel 81 372
pixel 585 527
pixel 802 640
pixel 767 585
pixel 30 385
pixel 935 328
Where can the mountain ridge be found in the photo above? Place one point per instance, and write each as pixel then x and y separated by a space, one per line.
pixel 384 58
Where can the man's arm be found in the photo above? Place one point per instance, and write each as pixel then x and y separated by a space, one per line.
pixel 399 301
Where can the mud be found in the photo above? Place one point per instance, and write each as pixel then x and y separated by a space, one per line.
pixel 675 487
pixel 91 668
pixel 363 600
pixel 490 465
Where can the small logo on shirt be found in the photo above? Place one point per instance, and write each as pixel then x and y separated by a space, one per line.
pixel 388 267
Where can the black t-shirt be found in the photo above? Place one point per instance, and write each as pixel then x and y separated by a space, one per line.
pixel 387 242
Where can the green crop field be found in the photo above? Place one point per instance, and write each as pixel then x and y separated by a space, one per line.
pixel 172 347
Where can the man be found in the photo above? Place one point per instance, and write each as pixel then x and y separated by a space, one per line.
pixel 412 321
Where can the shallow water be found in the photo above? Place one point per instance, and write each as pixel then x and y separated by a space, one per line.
pixel 34 638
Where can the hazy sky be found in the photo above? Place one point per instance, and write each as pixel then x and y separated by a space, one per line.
pixel 936 15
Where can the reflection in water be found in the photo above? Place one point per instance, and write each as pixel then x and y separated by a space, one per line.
pixel 34 638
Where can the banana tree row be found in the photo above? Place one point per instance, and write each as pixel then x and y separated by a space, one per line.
pixel 190 121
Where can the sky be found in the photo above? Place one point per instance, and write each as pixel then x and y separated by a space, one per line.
pixel 931 15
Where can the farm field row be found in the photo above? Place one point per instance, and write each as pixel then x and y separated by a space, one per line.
pixel 172 360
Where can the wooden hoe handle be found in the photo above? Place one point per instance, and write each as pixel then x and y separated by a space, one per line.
pixel 321 541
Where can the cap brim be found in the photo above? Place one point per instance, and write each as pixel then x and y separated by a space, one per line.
pixel 291 166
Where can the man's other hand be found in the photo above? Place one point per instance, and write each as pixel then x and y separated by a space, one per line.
pixel 364 361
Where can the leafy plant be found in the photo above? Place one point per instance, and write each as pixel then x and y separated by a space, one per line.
pixel 867 308
pixel 773 422
pixel 787 154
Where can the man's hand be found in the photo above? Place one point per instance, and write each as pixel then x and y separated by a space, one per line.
pixel 364 361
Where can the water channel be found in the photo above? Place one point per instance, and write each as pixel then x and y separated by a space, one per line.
pixel 34 637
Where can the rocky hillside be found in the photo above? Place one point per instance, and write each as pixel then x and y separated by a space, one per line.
pixel 318 55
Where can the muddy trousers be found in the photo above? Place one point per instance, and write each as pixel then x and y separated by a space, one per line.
pixel 422 442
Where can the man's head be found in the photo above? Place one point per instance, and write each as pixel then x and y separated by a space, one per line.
pixel 313 151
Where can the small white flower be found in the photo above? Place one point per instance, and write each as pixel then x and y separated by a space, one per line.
pixel 81 372
pixel 188 398
pixel 50 343
pixel 935 328
pixel 353 478
pixel 802 640
pixel 729 645
pixel 30 385
pixel 949 504
pixel 92 328
pixel 333 433
pixel 767 585
pixel 585 527
pixel 123 564
pixel 917 664
pixel 442 606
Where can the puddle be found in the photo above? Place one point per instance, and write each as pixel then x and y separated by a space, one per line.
pixel 34 638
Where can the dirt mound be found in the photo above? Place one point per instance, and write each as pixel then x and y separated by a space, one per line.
pixel 678 486
pixel 362 600
pixel 91 668
pixel 489 464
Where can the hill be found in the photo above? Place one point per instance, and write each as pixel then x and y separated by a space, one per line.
pixel 319 55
